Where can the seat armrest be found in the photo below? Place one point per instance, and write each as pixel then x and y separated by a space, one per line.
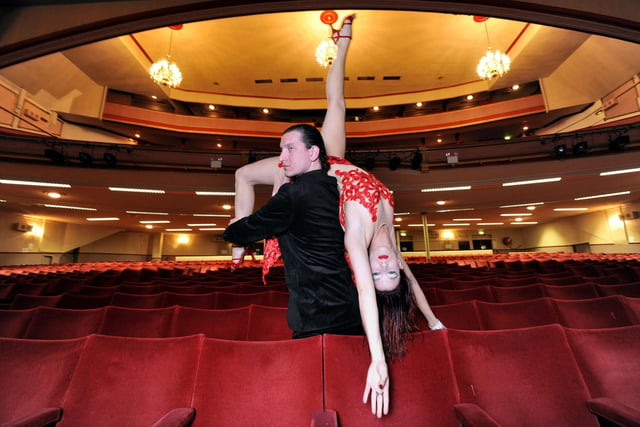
pixel 38 418
pixel 615 411
pixel 179 417
pixel 471 415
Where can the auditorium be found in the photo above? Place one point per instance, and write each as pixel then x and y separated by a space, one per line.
pixel 507 131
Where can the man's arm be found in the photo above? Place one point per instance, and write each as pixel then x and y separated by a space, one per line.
pixel 270 220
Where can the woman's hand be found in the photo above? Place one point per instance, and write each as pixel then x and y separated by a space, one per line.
pixel 378 387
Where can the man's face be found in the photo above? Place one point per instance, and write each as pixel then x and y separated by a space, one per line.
pixel 295 157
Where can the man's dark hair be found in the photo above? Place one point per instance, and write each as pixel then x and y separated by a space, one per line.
pixel 311 136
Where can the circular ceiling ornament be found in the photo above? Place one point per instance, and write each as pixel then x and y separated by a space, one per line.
pixel 329 17
pixel 480 18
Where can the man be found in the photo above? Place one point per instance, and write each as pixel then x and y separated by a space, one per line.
pixel 303 215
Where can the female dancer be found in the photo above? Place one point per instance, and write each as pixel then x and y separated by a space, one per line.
pixel 387 290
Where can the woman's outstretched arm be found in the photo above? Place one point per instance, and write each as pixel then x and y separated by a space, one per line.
pixel 420 299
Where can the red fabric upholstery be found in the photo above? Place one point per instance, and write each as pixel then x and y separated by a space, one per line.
pixel 423 389
pixel 204 301
pixel 83 302
pixel 326 418
pixel 528 279
pixel 21 302
pixel 517 293
pixel 521 376
pixel 268 324
pixel 268 298
pixel 13 323
pixel 131 381
pixel 607 312
pixel 481 293
pixel 612 411
pixel 226 324
pixel 470 414
pixel 463 315
pixel 633 308
pixel 608 359
pixel 35 375
pixel 583 291
pixel 61 323
pixel 38 418
pixel 179 417
pixel 121 299
pixel 243 383
pixel 626 289
pixel 137 322
pixel 514 315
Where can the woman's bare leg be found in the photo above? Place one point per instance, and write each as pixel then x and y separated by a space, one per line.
pixel 333 128
pixel 266 172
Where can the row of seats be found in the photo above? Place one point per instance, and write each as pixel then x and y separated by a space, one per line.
pixel 542 376
pixel 256 322
pixel 211 300
pixel 437 296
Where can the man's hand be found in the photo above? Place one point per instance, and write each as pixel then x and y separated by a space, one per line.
pixel 378 387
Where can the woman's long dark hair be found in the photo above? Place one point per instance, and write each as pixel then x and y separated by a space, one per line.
pixel 396 314
pixel 312 136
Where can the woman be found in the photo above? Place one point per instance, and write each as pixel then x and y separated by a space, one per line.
pixel 387 290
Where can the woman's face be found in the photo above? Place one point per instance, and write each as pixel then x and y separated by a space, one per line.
pixel 385 268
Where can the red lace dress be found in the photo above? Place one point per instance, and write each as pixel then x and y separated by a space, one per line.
pixel 357 185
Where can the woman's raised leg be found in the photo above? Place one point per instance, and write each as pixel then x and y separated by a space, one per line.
pixel 333 127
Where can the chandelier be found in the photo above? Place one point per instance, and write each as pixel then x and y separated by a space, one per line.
pixel 494 63
pixel 327 49
pixel 166 72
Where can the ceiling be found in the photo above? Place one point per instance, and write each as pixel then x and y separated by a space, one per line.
pixel 397 58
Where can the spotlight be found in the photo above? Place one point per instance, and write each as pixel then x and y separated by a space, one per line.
pixel 370 163
pixel 85 158
pixel 416 160
pixel 619 143
pixel 580 148
pixel 110 159
pixel 560 150
pixel 54 155
pixel 394 163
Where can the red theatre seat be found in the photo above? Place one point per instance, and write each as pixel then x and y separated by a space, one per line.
pixel 266 383
pixel 608 359
pixel 225 324
pixel 35 376
pixel 518 377
pixel 423 389
pixel 132 381
pixel 605 312
pixel 137 322
pixel 463 315
pixel 268 324
pixel 60 323
pixel 13 323
pixel 512 315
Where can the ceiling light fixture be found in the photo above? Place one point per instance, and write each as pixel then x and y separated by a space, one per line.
pixel 327 50
pixel 597 196
pixel 215 193
pixel 136 190
pixel 531 181
pixel 34 183
pixel 619 171
pixel 77 208
pixel 462 187
pixel 494 63
pixel 166 72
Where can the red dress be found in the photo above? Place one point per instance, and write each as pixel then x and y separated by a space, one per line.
pixel 357 185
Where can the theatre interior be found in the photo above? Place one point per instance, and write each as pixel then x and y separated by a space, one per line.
pixel 507 131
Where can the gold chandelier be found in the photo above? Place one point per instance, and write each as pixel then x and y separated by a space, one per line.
pixel 166 72
pixel 494 63
pixel 327 50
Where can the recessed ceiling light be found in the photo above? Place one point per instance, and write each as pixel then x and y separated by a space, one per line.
pixel 104 219
pixel 215 193
pixel 34 183
pixel 137 190
pixel 461 187
pixel 570 209
pixel 531 181
pixel 77 208
pixel 155 222
pixel 597 196
pixel 516 214
pixel 617 172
